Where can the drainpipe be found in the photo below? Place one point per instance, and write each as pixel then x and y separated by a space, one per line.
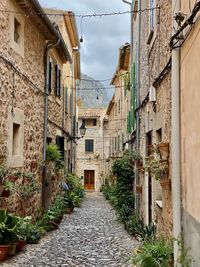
pixel 49 46
pixel 175 143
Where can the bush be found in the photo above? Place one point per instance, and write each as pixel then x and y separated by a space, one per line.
pixel 154 254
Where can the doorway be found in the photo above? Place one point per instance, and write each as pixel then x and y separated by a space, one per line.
pixel 89 179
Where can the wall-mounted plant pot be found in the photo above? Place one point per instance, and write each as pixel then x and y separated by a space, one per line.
pixel 165 184
pixel 5 193
pixel 12 178
pixel 132 162
pixel 139 189
pixel 163 150
pixel 150 150
pixel 139 164
pixel 3 252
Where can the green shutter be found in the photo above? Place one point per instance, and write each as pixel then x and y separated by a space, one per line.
pixel 133 97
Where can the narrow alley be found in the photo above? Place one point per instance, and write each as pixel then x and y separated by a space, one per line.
pixel 91 236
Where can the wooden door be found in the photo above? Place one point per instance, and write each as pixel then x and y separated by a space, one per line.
pixel 89 179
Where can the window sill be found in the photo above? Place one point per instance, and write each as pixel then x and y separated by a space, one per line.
pixel 15 161
pixel 159 203
pixel 151 34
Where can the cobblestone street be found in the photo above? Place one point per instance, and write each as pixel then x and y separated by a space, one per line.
pixel 91 236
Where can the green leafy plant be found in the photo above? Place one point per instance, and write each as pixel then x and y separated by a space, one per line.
pixel 133 155
pixel 27 190
pixel 8 228
pixel 3 172
pixel 154 253
pixel 53 153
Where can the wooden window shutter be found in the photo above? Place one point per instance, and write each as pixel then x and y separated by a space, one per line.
pixel 59 82
pixel 60 142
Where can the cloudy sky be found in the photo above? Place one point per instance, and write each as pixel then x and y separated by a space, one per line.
pixel 102 36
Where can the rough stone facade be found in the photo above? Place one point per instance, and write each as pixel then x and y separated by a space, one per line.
pixel 22 102
pixel 155 117
pixel 115 125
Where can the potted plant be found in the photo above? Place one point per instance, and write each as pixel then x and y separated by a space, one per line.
pixel 69 202
pixel 157 168
pixel 8 187
pixel 8 235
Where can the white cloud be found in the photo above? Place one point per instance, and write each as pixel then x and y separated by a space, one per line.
pixel 102 36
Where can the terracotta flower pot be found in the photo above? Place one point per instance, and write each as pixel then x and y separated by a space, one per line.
pixel 139 189
pixel 164 150
pixel 12 250
pixel 3 252
pixel 69 210
pixel 20 245
pixel 12 178
pixel 139 164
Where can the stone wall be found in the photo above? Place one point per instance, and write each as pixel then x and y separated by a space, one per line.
pixel 153 58
pixel 91 160
pixel 22 106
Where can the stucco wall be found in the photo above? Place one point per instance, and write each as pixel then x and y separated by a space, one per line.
pixel 190 136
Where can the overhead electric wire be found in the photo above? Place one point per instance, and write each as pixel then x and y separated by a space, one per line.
pixel 94 15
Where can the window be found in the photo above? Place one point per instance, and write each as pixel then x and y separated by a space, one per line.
pixel 17 30
pixel 151 20
pixel 66 100
pixel 57 81
pixel 119 106
pixel 89 145
pixel 115 143
pixel 94 122
pixel 159 135
pixel 16 139
pixel 115 109
pixel 151 15
pixel 15 157
pixel 118 142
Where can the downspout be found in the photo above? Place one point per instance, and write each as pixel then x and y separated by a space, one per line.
pixel 48 47
pixel 175 138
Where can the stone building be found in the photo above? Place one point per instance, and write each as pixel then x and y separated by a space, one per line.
pixel 151 89
pixel 117 123
pixel 32 95
pixel 90 148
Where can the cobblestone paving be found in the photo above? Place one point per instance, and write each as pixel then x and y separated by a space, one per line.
pixel 90 236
